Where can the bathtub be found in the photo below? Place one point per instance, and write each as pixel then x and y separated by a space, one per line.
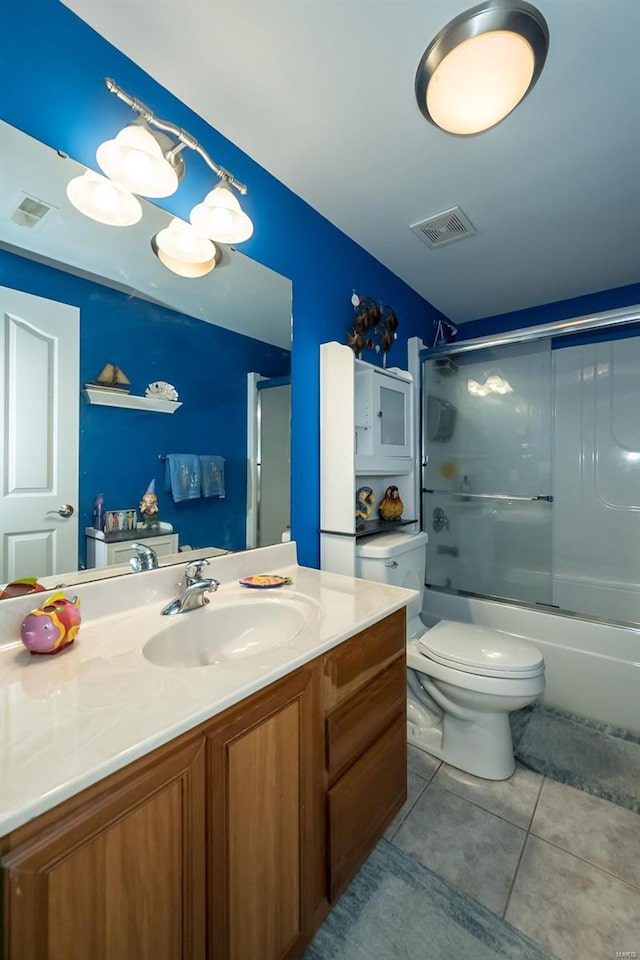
pixel 592 669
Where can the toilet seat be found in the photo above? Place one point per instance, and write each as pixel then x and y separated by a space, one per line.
pixel 499 686
pixel 480 651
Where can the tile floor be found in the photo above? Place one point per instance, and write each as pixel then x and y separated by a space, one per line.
pixel 560 865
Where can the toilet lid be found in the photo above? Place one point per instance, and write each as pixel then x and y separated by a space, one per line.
pixel 480 650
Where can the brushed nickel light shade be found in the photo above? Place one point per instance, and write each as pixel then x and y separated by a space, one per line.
pixel 481 65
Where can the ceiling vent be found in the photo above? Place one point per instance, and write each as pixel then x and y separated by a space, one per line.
pixel 445 227
pixel 31 212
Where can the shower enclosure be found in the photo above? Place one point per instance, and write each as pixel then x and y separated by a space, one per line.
pixel 531 467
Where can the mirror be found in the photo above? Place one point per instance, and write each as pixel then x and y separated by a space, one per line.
pixel 81 294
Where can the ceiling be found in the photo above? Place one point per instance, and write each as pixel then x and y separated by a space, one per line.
pixel 320 93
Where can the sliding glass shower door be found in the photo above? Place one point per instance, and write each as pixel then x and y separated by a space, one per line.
pixel 487 498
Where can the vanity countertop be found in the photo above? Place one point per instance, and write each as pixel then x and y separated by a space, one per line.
pixel 69 720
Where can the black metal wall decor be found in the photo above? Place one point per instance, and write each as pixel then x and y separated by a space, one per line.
pixel 374 327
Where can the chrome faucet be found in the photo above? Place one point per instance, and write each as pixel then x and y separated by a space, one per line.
pixel 145 558
pixel 193 590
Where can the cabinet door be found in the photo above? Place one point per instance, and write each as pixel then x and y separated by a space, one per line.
pixel 122 879
pixel 262 866
pixel 392 422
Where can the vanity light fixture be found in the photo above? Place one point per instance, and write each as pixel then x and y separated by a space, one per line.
pixel 183 250
pixel 103 200
pixel 220 217
pixel 149 162
pixel 144 162
pixel 480 66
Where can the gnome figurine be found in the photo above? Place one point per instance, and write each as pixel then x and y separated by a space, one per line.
pixel 149 506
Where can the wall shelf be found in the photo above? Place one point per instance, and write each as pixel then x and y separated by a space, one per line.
pixel 111 398
pixel 369 527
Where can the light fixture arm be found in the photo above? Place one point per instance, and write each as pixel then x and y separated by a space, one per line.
pixel 184 137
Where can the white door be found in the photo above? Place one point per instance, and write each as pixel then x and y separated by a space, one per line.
pixel 39 397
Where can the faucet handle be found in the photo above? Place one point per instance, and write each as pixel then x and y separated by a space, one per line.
pixel 193 570
pixel 145 559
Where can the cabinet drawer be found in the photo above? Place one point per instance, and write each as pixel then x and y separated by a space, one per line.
pixel 363 802
pixel 353 664
pixel 353 726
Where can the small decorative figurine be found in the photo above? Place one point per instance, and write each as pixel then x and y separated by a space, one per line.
pixel 374 327
pixel 364 503
pixel 149 506
pixel 18 588
pixel 111 377
pixel 391 506
pixel 53 627
pixel 161 390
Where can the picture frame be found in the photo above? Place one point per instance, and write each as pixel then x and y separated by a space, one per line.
pixel 120 521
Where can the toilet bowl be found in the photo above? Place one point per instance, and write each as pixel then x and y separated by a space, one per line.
pixel 463 680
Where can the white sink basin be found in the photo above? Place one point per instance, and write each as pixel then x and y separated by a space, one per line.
pixel 227 632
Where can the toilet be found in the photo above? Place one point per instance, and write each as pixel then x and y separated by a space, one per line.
pixel 463 680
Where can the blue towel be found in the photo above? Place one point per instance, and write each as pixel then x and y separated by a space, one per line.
pixel 212 469
pixel 182 476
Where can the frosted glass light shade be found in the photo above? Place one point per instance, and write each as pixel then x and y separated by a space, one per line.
pixel 183 250
pixel 102 200
pixel 135 159
pixel 220 217
pixel 479 67
pixel 480 82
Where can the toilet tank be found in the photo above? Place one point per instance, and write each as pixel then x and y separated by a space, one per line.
pixel 395 558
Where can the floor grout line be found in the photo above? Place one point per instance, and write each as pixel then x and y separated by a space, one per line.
pixel 480 807
pixel 590 863
pixel 410 810
pixel 535 806
pixel 526 839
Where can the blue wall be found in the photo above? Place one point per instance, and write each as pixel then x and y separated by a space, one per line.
pixel 57 95
pixel 119 447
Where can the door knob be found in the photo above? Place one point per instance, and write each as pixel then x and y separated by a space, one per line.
pixel 66 510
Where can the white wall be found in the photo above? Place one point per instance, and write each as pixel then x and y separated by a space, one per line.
pixel 596 549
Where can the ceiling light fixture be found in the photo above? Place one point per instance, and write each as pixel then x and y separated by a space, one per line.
pixel 102 200
pixel 149 162
pixel 183 250
pixel 480 66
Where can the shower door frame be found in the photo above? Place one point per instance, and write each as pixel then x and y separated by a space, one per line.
pixel 577 325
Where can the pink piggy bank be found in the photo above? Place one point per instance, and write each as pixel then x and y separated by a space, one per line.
pixel 53 627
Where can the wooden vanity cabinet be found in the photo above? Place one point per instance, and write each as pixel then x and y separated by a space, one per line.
pixel 365 742
pixel 229 842
pixel 119 875
pixel 266 840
